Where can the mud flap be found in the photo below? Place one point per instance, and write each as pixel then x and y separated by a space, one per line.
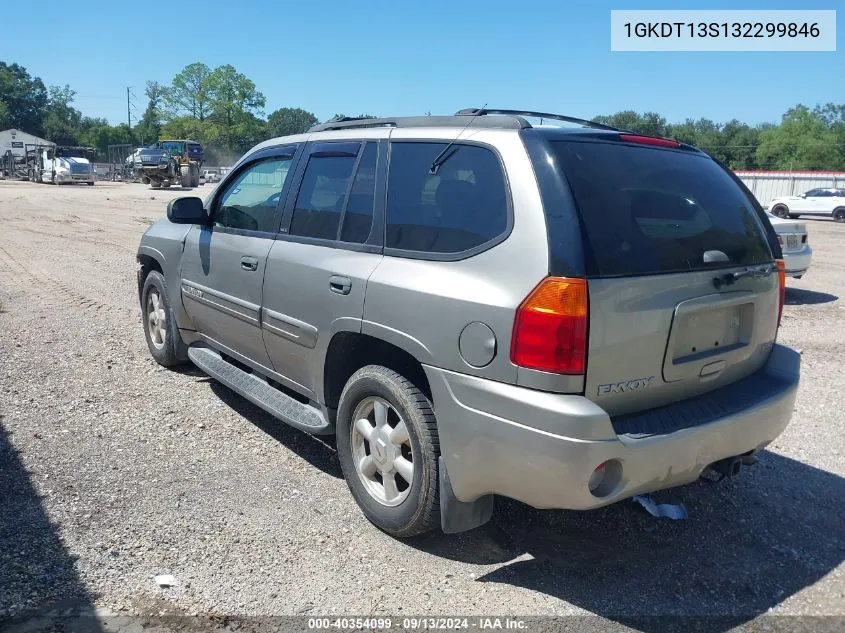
pixel 460 516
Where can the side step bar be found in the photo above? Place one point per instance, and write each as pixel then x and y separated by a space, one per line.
pixel 259 392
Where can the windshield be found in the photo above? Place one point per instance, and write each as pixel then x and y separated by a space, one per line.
pixel 72 152
pixel 175 148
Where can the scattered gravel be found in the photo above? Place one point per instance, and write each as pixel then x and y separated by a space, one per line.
pixel 114 471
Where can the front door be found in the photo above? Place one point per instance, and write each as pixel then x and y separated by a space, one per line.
pixel 317 274
pixel 223 264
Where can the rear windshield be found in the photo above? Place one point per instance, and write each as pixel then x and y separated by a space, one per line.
pixel 646 210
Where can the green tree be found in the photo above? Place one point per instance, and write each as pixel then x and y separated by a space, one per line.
pixel 287 121
pixel 189 127
pixel 62 122
pixel 5 119
pixel 148 128
pixel 235 104
pixel 803 140
pixel 25 98
pixel 97 133
pixel 649 123
pixel 190 92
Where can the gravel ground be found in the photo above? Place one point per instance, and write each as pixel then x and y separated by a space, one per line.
pixel 114 470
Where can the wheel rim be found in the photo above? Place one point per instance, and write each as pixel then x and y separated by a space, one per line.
pixel 381 450
pixel 156 319
pixel 780 212
pixel 839 216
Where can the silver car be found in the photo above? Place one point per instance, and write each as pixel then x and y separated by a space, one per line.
pixel 476 307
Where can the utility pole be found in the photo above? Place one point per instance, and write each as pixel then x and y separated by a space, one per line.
pixel 128 111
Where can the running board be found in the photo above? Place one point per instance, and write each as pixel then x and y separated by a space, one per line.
pixel 255 389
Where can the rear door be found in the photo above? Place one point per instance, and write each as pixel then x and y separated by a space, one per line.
pixel 665 230
pixel 318 268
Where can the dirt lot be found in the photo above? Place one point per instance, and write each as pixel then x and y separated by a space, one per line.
pixel 114 470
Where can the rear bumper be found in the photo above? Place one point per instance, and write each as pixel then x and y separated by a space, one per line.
pixel 541 448
pixel 799 262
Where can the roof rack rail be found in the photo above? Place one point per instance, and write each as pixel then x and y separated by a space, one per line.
pixel 539 115
pixel 343 122
pixel 418 121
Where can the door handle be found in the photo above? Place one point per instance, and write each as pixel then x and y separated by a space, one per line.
pixel 340 285
pixel 249 263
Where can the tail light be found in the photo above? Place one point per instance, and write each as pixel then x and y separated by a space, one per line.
pixel 550 328
pixel 804 238
pixel 781 287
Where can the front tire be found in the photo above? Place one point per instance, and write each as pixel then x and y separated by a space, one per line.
pixel 780 211
pixel 388 448
pixel 839 214
pixel 163 339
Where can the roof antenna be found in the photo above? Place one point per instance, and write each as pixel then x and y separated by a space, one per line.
pixel 443 156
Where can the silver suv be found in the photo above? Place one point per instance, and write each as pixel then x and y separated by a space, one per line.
pixel 475 306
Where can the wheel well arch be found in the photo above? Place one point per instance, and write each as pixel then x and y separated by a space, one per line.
pixel 349 351
pixel 146 264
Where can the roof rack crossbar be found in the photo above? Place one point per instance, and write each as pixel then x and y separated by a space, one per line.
pixel 539 115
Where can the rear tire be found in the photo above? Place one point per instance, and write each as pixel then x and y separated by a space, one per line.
pixel 163 338
pixel 195 175
pixel 185 176
pixel 403 438
pixel 839 214
pixel 780 211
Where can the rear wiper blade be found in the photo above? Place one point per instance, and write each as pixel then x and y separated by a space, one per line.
pixel 757 271
pixel 753 271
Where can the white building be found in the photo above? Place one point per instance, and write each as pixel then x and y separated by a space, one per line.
pixel 17 141
pixel 766 185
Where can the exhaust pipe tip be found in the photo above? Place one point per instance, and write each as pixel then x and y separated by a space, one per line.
pixel 728 467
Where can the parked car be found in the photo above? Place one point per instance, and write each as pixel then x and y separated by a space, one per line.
pixel 795 244
pixel 566 317
pixel 814 202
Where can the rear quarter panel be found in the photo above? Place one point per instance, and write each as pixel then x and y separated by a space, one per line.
pixel 423 306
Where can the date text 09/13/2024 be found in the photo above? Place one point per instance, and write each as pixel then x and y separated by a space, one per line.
pixel 416 623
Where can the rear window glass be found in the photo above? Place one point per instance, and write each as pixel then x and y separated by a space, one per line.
pixel 646 210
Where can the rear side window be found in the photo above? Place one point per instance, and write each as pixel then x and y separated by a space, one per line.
pixel 358 216
pixel 461 207
pixel 321 196
pixel 646 210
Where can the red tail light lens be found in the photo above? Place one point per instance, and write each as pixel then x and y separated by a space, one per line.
pixel 550 329
pixel 781 287
pixel 649 140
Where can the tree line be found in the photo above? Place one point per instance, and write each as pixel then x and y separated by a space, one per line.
pixel 224 110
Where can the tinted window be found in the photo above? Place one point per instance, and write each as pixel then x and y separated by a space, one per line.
pixel 321 196
pixel 358 216
pixel 463 206
pixel 250 200
pixel 646 210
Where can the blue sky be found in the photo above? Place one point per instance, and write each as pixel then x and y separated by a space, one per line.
pixel 401 58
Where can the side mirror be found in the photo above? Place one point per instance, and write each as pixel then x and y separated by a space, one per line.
pixel 187 210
